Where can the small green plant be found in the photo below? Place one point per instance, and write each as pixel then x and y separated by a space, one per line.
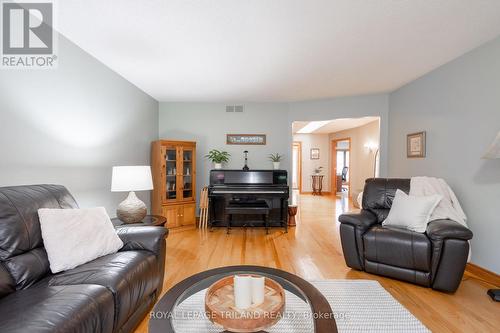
pixel 217 156
pixel 275 157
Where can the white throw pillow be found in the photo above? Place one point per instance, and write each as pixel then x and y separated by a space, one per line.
pixel 73 237
pixel 411 212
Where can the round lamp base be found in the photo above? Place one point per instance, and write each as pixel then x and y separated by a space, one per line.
pixel 132 209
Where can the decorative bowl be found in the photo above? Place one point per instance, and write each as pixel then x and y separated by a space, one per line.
pixel 221 310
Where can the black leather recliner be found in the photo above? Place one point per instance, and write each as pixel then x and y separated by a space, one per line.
pixel 435 259
pixel 109 294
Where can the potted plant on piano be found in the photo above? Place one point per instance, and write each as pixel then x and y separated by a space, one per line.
pixel 276 159
pixel 218 157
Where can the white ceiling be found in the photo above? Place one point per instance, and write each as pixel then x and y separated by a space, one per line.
pixel 336 125
pixel 275 50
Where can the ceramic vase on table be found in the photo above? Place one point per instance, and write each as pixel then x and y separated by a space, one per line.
pixel 276 165
pixel 132 209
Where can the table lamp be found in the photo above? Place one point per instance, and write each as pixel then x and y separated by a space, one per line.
pixel 493 153
pixel 130 179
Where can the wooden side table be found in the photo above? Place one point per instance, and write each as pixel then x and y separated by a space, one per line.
pixel 151 220
pixel 317 184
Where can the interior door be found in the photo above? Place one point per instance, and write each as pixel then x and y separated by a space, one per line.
pixel 297 166
pixel 341 151
pixel 334 183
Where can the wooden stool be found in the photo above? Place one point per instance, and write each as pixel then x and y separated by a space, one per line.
pixel 292 211
pixel 203 208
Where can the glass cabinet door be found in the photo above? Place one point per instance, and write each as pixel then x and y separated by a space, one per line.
pixel 171 173
pixel 187 173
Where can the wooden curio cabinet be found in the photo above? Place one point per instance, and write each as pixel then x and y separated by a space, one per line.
pixel 173 164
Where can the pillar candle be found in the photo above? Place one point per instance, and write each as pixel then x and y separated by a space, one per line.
pixel 258 289
pixel 242 291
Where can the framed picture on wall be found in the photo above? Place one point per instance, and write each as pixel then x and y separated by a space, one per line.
pixel 415 145
pixel 314 153
pixel 246 139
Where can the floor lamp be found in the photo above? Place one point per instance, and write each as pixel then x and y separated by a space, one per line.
pixel 494 153
pixel 375 162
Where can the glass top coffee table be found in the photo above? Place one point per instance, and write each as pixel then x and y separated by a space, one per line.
pixel 181 309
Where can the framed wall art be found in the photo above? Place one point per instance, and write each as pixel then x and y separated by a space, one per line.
pixel 415 145
pixel 246 139
pixel 314 153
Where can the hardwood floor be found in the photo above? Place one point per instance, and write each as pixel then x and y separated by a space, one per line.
pixel 312 250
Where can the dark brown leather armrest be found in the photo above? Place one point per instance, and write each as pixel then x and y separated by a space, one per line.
pixel 361 221
pixel 147 238
pixel 445 229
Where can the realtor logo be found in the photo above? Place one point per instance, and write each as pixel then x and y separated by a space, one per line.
pixel 28 35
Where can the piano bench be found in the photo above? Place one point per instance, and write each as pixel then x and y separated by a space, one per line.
pixel 255 208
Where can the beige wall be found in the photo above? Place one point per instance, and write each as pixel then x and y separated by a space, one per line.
pixel 361 164
pixel 322 142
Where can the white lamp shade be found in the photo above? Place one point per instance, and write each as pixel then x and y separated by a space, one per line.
pixel 494 150
pixel 131 178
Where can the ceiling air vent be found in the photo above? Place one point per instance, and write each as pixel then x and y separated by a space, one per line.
pixel 234 108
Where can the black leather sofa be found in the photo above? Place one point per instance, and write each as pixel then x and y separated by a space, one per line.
pixel 436 258
pixel 110 294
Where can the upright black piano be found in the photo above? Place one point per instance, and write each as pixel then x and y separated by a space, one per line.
pixel 248 189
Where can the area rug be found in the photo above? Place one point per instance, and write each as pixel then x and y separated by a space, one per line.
pixel 358 306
